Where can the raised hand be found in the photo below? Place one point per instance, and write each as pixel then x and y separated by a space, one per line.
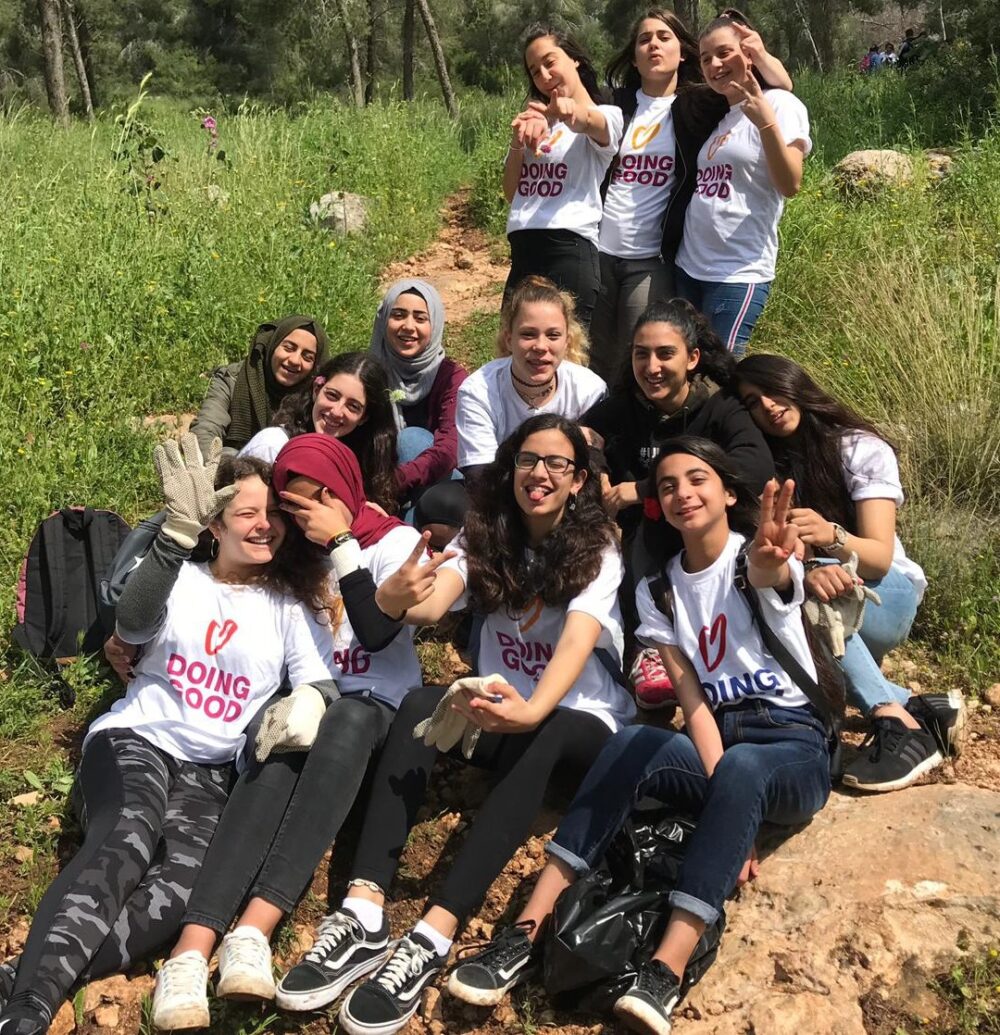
pixel 320 519
pixel 755 105
pixel 750 42
pixel 189 491
pixel 812 527
pixel 775 539
pixel 562 109
pixel 414 582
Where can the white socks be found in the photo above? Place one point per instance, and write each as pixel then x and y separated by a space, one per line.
pixel 442 945
pixel 368 914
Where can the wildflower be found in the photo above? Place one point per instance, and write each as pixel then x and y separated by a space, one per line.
pixel 84 345
pixel 397 395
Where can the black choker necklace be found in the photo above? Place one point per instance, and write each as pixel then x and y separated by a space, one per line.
pixel 540 389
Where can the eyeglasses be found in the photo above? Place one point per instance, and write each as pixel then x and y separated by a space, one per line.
pixel 553 464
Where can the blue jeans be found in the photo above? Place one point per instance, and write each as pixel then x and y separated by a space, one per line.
pixel 410 443
pixel 775 767
pixel 883 628
pixel 732 309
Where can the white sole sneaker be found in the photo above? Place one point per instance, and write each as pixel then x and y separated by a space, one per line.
pixel 926 766
pixel 302 1002
pixel 641 1017
pixel 181 1018
pixel 243 985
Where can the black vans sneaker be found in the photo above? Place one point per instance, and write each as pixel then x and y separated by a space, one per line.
pixel 344 951
pixel 385 1002
pixel 892 757
pixel 945 716
pixel 8 975
pixel 649 1004
pixel 486 977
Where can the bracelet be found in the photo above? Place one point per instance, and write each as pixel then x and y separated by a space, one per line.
pixel 346 557
pixel 360 882
pixel 511 147
pixel 770 125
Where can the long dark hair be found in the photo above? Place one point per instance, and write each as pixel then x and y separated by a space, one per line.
pixel 297 569
pixel 812 453
pixel 502 574
pixel 714 362
pixel 565 42
pixel 730 17
pixel 374 441
pixel 621 73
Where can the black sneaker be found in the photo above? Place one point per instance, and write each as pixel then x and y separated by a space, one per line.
pixel 649 1004
pixel 8 974
pixel 26 1015
pixel 892 757
pixel 385 1002
pixel 505 961
pixel 944 715
pixel 344 951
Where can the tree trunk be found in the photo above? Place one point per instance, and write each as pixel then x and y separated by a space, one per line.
pixel 81 68
pixel 809 34
pixel 357 85
pixel 439 63
pixel 371 56
pixel 55 80
pixel 408 24
pixel 689 15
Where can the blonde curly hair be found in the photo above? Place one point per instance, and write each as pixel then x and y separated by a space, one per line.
pixel 541 289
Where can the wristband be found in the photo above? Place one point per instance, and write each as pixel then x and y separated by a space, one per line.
pixel 770 125
pixel 345 555
pixel 511 147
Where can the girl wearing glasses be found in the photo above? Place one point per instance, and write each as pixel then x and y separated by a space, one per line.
pixel 539 558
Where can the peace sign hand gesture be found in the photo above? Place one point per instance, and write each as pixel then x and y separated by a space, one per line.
pixel 562 109
pixel 776 539
pixel 755 105
pixel 414 582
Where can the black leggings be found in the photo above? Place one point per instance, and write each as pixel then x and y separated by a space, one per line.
pixel 523 762
pixel 566 258
pixel 149 818
pixel 283 815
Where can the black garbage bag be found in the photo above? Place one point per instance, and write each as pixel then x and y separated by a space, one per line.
pixel 608 923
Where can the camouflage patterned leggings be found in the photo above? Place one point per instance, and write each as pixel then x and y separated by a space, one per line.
pixel 148 819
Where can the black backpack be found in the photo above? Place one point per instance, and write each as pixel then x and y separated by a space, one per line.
pixel 59 608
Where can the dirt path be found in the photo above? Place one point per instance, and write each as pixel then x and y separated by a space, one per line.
pixel 463 263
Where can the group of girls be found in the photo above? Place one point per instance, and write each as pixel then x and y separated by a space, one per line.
pixel 676 187
pixel 267 635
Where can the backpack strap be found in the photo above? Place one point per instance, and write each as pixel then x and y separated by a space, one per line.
pixel 52 560
pixel 776 648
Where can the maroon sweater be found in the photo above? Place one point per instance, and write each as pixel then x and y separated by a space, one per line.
pixel 436 413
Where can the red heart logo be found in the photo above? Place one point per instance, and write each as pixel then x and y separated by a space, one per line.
pixel 217 637
pixel 705 642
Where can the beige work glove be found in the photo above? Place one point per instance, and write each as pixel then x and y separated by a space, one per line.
pixel 291 724
pixel 839 619
pixel 446 727
pixel 189 490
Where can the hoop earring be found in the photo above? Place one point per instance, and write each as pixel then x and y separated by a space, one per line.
pixel 213 550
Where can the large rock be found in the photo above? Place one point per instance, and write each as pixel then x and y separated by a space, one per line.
pixel 879 894
pixel 869 172
pixel 341 212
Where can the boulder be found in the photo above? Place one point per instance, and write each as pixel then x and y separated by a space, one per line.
pixel 870 172
pixel 877 896
pixel 340 212
pixel 939 165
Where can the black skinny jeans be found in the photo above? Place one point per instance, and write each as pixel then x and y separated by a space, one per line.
pixel 283 815
pixel 523 762
pixel 567 259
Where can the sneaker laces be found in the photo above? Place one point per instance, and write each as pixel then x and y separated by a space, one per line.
pixel 183 975
pixel 504 945
pixel 333 929
pixel 406 962
pixel 648 667
pixel 883 736
pixel 247 951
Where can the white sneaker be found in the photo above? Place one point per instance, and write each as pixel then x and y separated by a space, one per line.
pixel 180 999
pixel 245 970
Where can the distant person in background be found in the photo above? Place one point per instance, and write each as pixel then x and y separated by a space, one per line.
pixel 560 148
pixel 242 397
pixel 423 385
pixel 348 399
pixel 865 65
pixel 749 164
pixel 889 57
pixel 877 59
pixel 908 49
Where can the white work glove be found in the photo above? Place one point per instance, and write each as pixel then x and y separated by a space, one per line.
pixel 189 490
pixel 292 723
pixel 446 727
pixel 839 619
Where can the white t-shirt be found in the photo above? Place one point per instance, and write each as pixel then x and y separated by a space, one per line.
pixel 220 654
pixel 489 409
pixel 632 224
pixel 871 472
pixel 520 648
pixel 731 225
pixel 714 630
pixel 389 673
pixel 560 185
pixel 266 444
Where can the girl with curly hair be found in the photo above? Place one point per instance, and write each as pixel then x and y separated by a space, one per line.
pixel 539 558
pixel 348 400
pixel 848 491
